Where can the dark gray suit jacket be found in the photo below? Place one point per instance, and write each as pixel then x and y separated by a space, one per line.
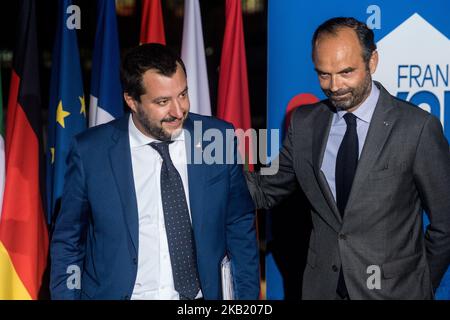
pixel 404 168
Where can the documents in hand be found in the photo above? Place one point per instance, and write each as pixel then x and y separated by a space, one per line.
pixel 227 279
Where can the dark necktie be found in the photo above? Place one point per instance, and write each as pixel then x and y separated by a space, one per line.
pixel 346 163
pixel 178 227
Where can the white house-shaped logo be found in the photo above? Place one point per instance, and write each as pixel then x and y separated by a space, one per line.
pixel 414 65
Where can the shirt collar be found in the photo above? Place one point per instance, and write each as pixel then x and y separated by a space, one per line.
pixel 366 109
pixel 138 139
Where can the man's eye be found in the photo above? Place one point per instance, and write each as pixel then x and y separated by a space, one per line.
pixel 323 75
pixel 161 102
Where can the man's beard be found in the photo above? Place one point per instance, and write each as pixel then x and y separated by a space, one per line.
pixel 356 97
pixel 156 129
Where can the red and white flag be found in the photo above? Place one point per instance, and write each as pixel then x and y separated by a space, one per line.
pixel 233 103
pixel 193 55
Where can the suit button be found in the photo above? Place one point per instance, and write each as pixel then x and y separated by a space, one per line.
pixel 343 236
pixel 134 260
pixel 334 268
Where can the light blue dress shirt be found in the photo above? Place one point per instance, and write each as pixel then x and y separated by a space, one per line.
pixel 337 131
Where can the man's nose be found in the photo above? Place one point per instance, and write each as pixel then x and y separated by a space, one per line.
pixel 176 109
pixel 335 83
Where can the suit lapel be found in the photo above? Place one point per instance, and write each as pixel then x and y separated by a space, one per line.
pixel 196 171
pixel 380 128
pixel 120 159
pixel 322 128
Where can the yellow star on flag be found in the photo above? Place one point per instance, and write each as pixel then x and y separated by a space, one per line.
pixel 61 114
pixel 83 106
pixel 52 151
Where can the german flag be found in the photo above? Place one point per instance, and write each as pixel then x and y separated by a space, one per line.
pixel 23 230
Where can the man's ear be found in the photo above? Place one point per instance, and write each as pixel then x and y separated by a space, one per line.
pixel 373 62
pixel 132 104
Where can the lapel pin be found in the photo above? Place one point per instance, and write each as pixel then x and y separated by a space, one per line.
pixel 386 123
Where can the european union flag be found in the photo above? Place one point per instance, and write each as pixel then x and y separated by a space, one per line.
pixel 106 102
pixel 67 109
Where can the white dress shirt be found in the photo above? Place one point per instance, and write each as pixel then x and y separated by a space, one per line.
pixel 154 280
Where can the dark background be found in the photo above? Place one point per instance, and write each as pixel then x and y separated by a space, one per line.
pixel 213 21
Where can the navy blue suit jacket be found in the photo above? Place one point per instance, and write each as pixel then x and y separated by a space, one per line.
pixel 97 231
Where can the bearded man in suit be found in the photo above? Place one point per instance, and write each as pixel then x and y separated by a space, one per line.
pixel 369 164
pixel 139 218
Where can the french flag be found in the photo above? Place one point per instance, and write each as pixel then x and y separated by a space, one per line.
pixel 106 101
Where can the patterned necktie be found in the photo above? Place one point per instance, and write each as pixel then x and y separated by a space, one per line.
pixel 178 227
pixel 346 163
